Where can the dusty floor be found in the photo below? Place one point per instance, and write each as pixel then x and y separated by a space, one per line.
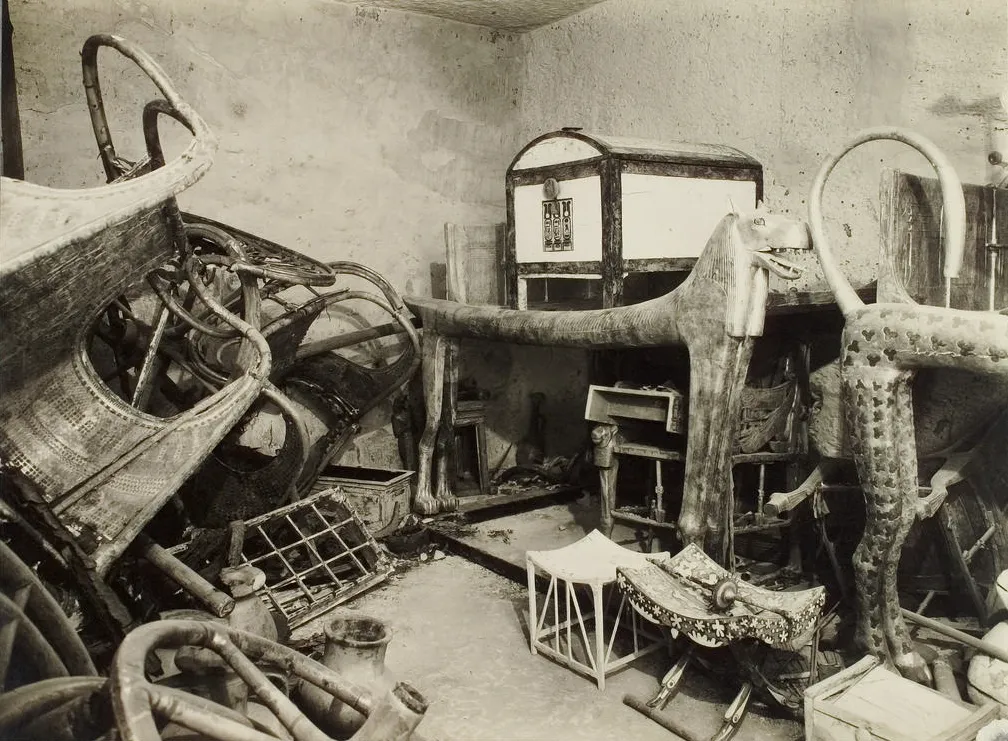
pixel 460 637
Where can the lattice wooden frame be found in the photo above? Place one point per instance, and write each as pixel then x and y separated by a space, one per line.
pixel 318 536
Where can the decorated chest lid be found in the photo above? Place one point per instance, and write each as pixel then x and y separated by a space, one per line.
pixel 571 144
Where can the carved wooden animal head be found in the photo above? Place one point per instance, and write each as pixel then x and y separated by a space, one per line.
pixel 752 246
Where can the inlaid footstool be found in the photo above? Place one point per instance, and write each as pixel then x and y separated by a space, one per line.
pixel 588 565
pixel 695 597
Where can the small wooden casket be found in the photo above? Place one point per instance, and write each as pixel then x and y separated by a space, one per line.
pixel 592 207
pixel 380 497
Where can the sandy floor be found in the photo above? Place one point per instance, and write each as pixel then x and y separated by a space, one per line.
pixel 460 637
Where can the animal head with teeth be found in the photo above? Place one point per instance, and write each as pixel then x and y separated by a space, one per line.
pixel 765 238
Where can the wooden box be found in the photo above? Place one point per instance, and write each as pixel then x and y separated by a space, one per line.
pixel 614 405
pixel 380 497
pixel 868 701
pixel 592 207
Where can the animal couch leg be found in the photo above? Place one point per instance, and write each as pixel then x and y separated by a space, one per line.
pixel 445 445
pixel 432 370
pixel 402 429
pixel 904 655
pixel 443 457
pixel 717 376
pixel 870 407
pixel 867 577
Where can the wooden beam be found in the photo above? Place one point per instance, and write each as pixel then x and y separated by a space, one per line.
pixel 10 130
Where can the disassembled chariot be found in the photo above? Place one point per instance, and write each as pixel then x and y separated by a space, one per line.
pixel 143 344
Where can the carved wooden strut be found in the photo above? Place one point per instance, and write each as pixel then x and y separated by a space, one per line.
pixel 883 345
pixel 716 312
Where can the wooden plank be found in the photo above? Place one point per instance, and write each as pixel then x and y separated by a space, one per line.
pixel 623 515
pixel 842 680
pixel 516 572
pixel 648 451
pixel 912 247
pixel 524 496
pixel 474 257
pixel 795 302
pixel 612 234
pixel 10 140
pixel 816 696
pixel 967 730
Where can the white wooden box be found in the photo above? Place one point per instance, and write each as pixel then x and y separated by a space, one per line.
pixel 868 701
pixel 589 206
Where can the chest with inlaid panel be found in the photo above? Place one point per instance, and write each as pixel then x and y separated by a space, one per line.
pixel 596 208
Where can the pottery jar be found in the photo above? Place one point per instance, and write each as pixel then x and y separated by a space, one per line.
pixel 355 649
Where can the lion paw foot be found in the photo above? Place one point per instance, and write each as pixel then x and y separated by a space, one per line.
pixel 426 507
pixel 447 504
pixel 433 506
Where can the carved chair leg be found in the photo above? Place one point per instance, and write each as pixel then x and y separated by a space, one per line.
pixel 671 683
pixel 445 447
pixel 735 714
pixel 604 439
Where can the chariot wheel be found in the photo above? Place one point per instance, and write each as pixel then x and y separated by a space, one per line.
pixel 50 688
pixel 37 640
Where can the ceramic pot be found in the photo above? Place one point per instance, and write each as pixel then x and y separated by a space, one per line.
pixel 355 649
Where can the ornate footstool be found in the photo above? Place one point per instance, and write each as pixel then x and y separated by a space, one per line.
pixel 698 599
pixel 591 564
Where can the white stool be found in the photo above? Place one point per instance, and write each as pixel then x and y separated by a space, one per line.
pixel 591 561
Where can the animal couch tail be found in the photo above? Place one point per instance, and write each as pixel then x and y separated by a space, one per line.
pixel 883 346
pixel 716 312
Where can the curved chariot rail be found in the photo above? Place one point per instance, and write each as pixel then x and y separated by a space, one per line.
pixel 95 468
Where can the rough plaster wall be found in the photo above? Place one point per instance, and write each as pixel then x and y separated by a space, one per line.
pixel 345 133
pixel 787 82
pixel 355 133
